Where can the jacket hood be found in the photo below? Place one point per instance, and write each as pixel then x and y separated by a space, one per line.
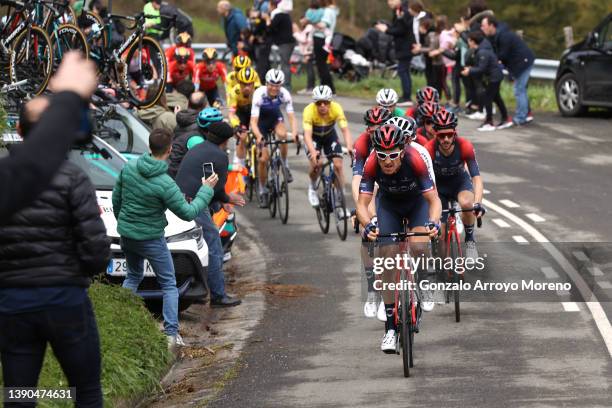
pixel 186 118
pixel 485 45
pixel 151 113
pixel 149 167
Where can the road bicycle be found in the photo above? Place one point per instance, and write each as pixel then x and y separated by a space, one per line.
pixel 407 310
pixel 331 200
pixel 278 184
pixel 252 183
pixel 452 250
pixel 55 16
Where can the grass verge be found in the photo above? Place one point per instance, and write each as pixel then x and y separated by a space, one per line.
pixel 134 352
pixel 541 94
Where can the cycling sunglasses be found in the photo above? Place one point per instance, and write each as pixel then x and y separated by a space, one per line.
pixel 446 135
pixel 390 156
pixel 319 103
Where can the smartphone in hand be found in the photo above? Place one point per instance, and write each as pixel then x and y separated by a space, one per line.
pixel 208 169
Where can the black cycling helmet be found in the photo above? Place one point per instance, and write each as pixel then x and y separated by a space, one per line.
pixel 427 94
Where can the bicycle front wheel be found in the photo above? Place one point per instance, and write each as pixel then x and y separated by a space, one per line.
pixel 454 254
pixel 406 332
pixel 282 195
pixel 145 73
pixel 323 209
pixel 68 37
pixel 339 209
pixel 272 177
pixel 32 60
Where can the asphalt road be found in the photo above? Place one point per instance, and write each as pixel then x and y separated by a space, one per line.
pixel 548 192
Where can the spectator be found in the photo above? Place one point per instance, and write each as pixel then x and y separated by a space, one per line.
pixel 181 21
pixel 158 116
pixel 261 45
pixel 28 170
pixel 328 22
pixel 404 38
pixel 141 196
pixel 447 42
pixel 477 10
pixel 489 71
pixel 245 45
pixel 186 127
pixel 417 10
pixel 518 59
pixel 280 33
pixel 49 252
pixel 181 94
pixel 430 48
pixel 211 151
pixel 233 23
pixel 305 42
pixel 458 53
pixel 153 24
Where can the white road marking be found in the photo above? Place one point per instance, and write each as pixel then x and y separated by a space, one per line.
pixel 570 306
pixel 598 313
pixel 549 272
pixel 595 271
pixel 500 223
pixel 520 239
pixel 581 256
pixel 605 285
pixel 509 204
pixel 535 217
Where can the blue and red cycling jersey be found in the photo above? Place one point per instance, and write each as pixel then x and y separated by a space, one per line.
pixel 361 150
pixel 410 181
pixel 451 167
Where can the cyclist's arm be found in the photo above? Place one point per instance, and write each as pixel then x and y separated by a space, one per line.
pixel 308 141
pixel 363 214
pixel 346 133
pixel 435 206
pixel 255 104
pixel 255 128
pixel 290 112
pixel 366 190
pixel 293 123
pixel 355 187
pixel 307 122
pixel 478 188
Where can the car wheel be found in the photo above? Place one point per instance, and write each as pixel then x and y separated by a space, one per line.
pixel 569 96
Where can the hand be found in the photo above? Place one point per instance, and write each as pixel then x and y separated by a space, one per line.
pixel 479 210
pixel 465 71
pixel 433 228
pixel 371 231
pixel 381 27
pixel 237 199
pixel 177 109
pixel 227 207
pixel 399 12
pixel 416 48
pixel 75 74
pixel 314 157
pixel 211 181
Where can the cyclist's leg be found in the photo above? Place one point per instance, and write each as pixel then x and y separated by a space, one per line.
pixel 314 171
pixel 265 127
pixel 281 134
pixel 333 150
pixel 244 117
pixel 465 198
pixel 418 216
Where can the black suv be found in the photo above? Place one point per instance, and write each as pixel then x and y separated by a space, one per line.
pixel 584 77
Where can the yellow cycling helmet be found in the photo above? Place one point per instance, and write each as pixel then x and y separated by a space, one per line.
pixel 241 61
pixel 182 54
pixel 183 39
pixel 246 76
pixel 209 54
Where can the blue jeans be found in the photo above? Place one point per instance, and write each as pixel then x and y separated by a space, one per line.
pixel 216 280
pixel 520 93
pixel 403 71
pixel 72 333
pixel 157 253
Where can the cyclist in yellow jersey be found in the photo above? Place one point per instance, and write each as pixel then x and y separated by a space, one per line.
pixel 239 62
pixel 319 121
pixel 239 102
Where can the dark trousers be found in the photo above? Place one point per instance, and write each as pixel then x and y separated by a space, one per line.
pixel 438 78
pixel 310 73
pixel 321 60
pixel 456 79
pixel 262 59
pixel 491 95
pixel 403 71
pixel 73 335
pixel 284 52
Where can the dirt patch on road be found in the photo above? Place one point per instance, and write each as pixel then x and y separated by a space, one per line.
pixel 280 290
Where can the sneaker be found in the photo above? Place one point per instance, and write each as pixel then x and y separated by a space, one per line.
pixel 313 196
pixel 388 342
pixel 289 176
pixel 470 250
pixel 477 116
pixel 264 198
pixel 381 314
pixel 369 308
pixel 486 127
pixel 505 125
pixel 529 118
pixel 305 91
pixel 175 341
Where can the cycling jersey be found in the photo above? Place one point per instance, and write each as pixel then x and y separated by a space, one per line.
pixel 453 165
pixel 265 105
pixel 239 105
pixel 323 126
pixel 180 72
pixel 399 112
pixel 208 80
pixel 426 158
pixel 361 150
pixel 410 113
pixel 170 53
pixel 422 136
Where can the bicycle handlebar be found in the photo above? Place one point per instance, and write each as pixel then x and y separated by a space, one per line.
pixel 453 211
pixel 402 235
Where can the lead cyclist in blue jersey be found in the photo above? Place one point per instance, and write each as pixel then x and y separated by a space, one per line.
pixel 267 117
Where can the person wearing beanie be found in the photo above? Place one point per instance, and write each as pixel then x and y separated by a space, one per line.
pixel 211 150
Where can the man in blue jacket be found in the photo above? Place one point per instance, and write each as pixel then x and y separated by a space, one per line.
pixel 518 59
pixel 233 23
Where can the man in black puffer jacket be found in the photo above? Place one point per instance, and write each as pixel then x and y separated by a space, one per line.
pixel 186 127
pixel 49 251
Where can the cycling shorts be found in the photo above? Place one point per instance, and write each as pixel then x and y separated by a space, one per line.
pixel 267 123
pixel 330 145
pixel 448 190
pixel 392 211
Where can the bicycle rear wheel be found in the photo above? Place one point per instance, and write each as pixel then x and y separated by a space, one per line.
pixel 32 59
pixel 406 332
pixel 323 209
pixel 282 195
pixel 65 38
pixel 339 207
pixel 145 73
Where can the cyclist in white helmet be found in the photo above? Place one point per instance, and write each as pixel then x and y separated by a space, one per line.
pixel 267 117
pixel 319 121
pixel 387 98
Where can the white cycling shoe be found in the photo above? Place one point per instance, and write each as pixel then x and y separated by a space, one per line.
pixel 381 314
pixel 313 197
pixel 388 342
pixel 370 306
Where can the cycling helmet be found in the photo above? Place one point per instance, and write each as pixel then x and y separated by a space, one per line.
pixel 241 61
pixel 208 116
pixel 444 120
pixel 246 75
pixel 427 94
pixel 386 97
pixel 209 54
pixel 181 54
pixel 183 39
pixel 427 110
pixel 406 125
pixel 376 116
pixel 388 137
pixel 275 77
pixel 322 93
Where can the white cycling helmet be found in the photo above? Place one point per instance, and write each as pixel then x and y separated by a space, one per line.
pixel 275 76
pixel 386 97
pixel 406 125
pixel 322 93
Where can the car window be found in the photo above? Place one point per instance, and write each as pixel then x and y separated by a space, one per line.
pixel 103 167
pixel 131 135
pixel 606 36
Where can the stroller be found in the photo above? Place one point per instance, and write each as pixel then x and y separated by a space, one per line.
pixel 345 61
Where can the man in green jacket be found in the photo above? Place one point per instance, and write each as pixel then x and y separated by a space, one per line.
pixel 141 196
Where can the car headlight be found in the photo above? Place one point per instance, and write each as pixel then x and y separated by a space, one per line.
pixel 194 233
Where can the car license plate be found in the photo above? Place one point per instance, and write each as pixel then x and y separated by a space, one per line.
pixel 118 267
